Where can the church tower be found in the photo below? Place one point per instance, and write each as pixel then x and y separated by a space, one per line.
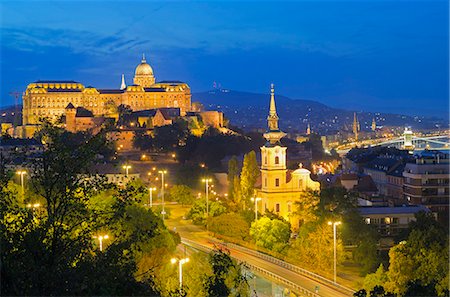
pixel 273 154
pixel 374 125
pixel 356 127
pixel 143 76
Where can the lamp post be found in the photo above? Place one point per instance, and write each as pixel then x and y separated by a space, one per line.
pixel 22 173
pixel 100 240
pixel 256 207
pixel 162 172
pixel 180 269
pixel 33 207
pixel 150 203
pixel 126 167
pixel 207 181
pixel 335 224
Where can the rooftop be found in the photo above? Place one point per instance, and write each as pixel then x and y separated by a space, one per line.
pixel 407 209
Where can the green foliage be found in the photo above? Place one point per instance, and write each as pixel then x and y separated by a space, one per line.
pixel 52 250
pixel 307 206
pixel 143 141
pixel 419 265
pixel 169 137
pixel 212 147
pixel 182 194
pixel 230 224
pixel 378 278
pixel 227 278
pixel 233 171
pixel 269 233
pixel 249 175
pixel 197 213
pixel 313 248
pixel 190 174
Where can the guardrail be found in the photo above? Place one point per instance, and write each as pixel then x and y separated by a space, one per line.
pixel 295 287
pixel 289 266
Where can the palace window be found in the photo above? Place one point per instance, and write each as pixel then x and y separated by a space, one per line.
pixel 277 182
pixel 300 183
pixel 265 182
pixel 277 207
pixel 265 159
pixel 277 160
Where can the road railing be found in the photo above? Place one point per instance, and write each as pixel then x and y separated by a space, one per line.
pixel 293 286
pixel 288 266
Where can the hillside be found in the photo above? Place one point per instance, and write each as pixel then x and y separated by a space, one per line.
pixel 249 110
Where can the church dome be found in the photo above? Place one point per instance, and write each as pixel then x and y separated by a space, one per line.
pixel 144 68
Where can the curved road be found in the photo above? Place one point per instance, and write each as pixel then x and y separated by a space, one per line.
pixel 194 235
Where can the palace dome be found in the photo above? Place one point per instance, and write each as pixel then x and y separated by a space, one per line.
pixel 144 68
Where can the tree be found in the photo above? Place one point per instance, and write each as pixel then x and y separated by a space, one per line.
pixel 419 265
pixel 182 194
pixel 51 250
pixel 227 278
pixel 313 247
pixel 378 278
pixel 230 224
pixel 307 205
pixel 269 233
pixel 197 213
pixel 233 171
pixel 249 175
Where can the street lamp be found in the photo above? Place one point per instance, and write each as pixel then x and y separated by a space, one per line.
pixel 22 173
pixel 33 207
pixel 335 224
pixel 126 167
pixel 256 207
pixel 162 172
pixel 180 268
pixel 207 181
pixel 100 240
pixel 151 197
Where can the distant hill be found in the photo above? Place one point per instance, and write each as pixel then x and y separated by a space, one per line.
pixel 249 110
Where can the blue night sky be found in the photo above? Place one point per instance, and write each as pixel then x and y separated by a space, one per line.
pixel 389 56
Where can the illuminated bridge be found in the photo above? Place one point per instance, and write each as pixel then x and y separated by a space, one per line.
pixel 410 142
pixel 407 141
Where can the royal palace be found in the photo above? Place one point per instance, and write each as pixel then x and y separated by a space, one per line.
pixel 50 99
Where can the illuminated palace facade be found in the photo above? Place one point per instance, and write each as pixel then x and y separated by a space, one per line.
pixel 49 99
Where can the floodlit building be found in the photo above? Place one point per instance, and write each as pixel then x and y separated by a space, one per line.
pixel 427 182
pixel 391 220
pixel 50 98
pixel 280 187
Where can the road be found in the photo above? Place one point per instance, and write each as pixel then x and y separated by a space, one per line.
pixel 198 238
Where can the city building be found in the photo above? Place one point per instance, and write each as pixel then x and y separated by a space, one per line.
pixel 426 182
pixel 390 220
pixel 49 99
pixel 280 187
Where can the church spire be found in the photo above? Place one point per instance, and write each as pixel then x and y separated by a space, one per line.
pixel 374 125
pixel 356 126
pixel 273 134
pixel 272 119
pixel 143 58
pixel 123 86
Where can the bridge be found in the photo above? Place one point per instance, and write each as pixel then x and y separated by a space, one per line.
pixel 407 141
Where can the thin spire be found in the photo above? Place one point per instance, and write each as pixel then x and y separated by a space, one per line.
pixel 123 86
pixel 272 119
pixel 273 109
pixel 143 58
pixel 273 134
